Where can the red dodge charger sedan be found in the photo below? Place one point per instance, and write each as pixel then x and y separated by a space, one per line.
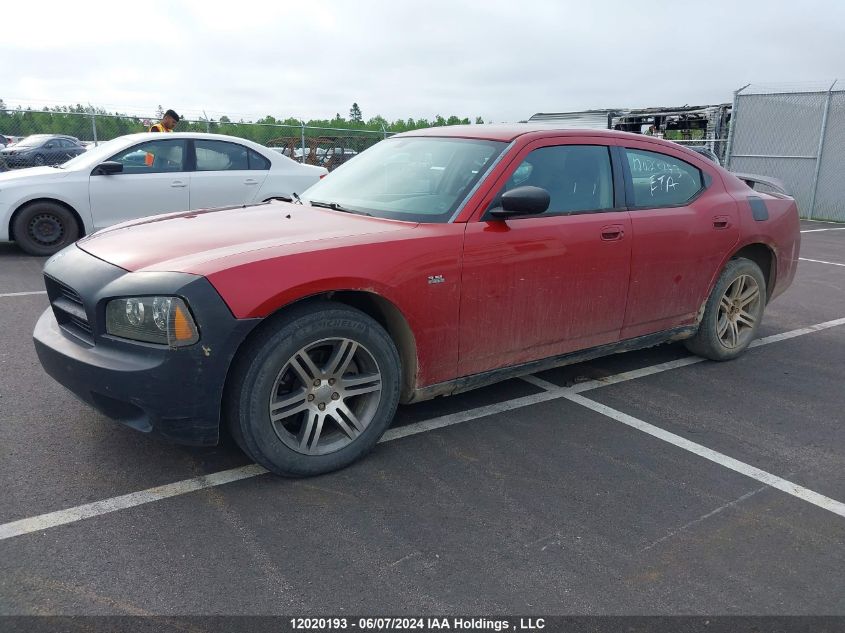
pixel 437 261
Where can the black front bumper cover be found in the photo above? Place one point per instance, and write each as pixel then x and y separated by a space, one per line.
pixel 175 393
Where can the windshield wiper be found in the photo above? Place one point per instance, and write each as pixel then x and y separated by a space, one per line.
pixel 334 206
pixel 291 198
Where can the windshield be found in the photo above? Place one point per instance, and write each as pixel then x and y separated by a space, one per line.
pixel 419 179
pixel 32 141
pixel 96 154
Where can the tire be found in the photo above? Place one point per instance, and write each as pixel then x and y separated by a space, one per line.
pixel 44 228
pixel 38 161
pixel 298 419
pixel 732 313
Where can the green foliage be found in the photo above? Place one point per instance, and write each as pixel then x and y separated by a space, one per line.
pixel 77 120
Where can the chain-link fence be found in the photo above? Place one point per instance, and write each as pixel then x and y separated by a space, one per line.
pixel 55 136
pixel 795 134
pixel 712 148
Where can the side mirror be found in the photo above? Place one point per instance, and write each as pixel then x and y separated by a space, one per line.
pixel 108 168
pixel 522 201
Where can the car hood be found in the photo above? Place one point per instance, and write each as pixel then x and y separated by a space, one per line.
pixel 14 176
pixel 14 149
pixel 204 241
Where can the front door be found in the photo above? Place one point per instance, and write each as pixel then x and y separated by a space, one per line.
pixel 540 286
pixel 154 180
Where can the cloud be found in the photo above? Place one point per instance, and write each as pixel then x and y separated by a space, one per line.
pixel 500 60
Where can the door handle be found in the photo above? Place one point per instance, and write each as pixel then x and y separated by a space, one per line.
pixel 178 183
pixel 612 233
pixel 721 222
pixel 250 181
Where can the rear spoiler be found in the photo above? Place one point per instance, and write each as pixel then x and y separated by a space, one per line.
pixel 753 179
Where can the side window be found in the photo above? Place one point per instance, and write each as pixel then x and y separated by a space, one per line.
pixel 661 180
pixel 577 177
pixel 153 157
pixel 220 156
pixel 257 161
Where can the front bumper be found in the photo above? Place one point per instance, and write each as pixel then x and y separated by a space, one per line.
pixel 175 393
pixel 13 161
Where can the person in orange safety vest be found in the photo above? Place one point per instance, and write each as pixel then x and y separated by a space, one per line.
pixel 168 122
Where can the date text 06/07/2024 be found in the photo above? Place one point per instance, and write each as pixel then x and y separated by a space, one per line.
pixel 418 624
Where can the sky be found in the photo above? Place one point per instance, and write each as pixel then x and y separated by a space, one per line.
pixel 500 60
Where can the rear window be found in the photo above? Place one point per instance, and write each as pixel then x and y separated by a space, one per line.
pixel 662 181
pixel 257 161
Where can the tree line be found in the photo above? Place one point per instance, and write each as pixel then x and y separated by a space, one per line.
pixel 80 121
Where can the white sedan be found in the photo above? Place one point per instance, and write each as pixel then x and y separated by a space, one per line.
pixel 44 209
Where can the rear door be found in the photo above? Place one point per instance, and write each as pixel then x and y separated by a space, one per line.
pixel 222 175
pixel 75 149
pixel 540 286
pixel 155 179
pixel 684 225
pixel 69 149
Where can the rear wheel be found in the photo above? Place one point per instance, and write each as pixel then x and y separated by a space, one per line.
pixel 733 312
pixel 43 228
pixel 314 391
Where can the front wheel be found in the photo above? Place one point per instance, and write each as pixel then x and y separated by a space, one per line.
pixel 44 228
pixel 314 391
pixel 732 313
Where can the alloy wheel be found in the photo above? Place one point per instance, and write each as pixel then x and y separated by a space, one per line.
pixel 739 310
pixel 325 396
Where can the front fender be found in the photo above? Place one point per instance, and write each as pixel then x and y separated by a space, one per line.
pixel 77 200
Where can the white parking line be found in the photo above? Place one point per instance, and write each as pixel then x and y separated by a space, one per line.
pixel 113 504
pixel 539 382
pixel 838 228
pixel 23 294
pixel 674 364
pixel 819 261
pixel 826 503
pixel 71 515
pixel 783 336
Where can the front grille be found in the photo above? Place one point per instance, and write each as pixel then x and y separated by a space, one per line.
pixel 69 309
pixel 69 293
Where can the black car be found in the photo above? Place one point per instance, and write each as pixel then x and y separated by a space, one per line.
pixel 41 149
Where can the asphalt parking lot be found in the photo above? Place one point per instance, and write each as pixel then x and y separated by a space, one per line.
pixel 644 483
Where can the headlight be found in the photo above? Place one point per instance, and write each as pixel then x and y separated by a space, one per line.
pixel 162 320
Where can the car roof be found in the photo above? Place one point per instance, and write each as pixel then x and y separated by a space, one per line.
pixel 140 136
pixel 510 131
pixel 145 136
pixel 68 136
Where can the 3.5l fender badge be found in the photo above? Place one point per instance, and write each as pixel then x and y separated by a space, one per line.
pixel 435 279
